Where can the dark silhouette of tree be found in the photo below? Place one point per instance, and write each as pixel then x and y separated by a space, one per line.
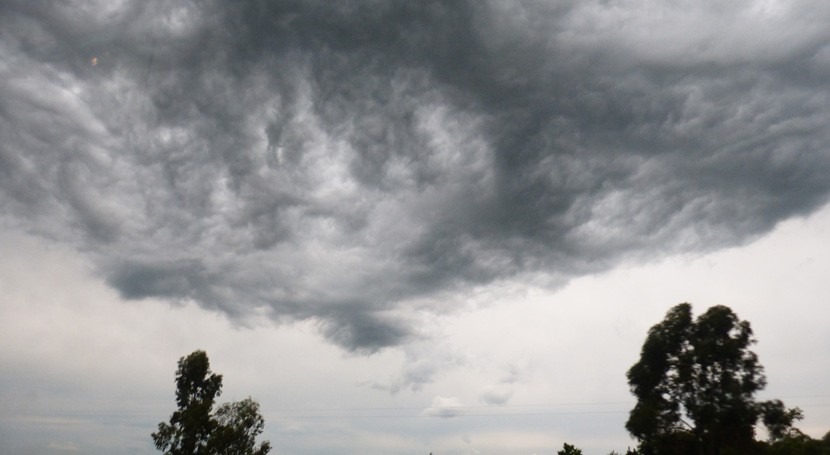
pixel 239 424
pixel 695 384
pixel 191 425
pixel 193 428
pixel 779 420
pixel 568 449
pixel 797 443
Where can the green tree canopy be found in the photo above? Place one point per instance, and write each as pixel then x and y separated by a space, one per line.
pixel 194 429
pixel 695 384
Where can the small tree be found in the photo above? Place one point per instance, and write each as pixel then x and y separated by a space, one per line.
pixel 695 384
pixel 568 449
pixel 193 428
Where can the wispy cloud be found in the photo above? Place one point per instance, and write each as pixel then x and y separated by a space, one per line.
pixel 63 446
pixel 445 407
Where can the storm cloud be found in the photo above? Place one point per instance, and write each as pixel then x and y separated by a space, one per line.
pixel 353 163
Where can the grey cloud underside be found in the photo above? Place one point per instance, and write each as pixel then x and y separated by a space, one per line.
pixel 346 161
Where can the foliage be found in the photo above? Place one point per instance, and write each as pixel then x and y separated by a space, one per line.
pixel 797 443
pixel 193 428
pixel 568 449
pixel 779 420
pixel 239 424
pixel 191 425
pixel 695 384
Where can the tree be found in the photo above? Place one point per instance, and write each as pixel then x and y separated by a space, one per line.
pixel 695 384
pixel 239 425
pixel 193 428
pixel 797 443
pixel 191 425
pixel 779 420
pixel 568 449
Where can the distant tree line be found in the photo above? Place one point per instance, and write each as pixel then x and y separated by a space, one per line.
pixel 695 384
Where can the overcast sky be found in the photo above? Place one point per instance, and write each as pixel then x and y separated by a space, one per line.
pixel 402 227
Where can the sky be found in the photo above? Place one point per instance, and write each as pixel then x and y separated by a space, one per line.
pixel 401 227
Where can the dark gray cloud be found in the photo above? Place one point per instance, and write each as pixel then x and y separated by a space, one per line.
pixel 350 161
